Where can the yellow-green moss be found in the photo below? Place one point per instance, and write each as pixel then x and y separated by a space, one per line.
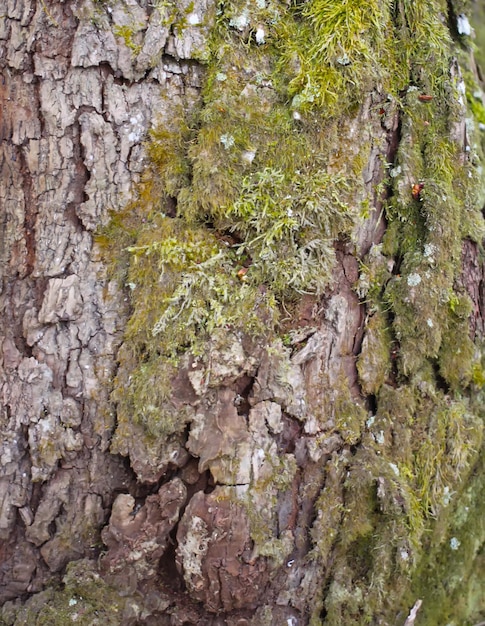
pixel 450 581
pixel 331 53
pixel 128 33
pixel 84 598
pixel 260 195
pixel 184 285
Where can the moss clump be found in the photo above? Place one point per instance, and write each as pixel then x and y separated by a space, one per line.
pixel 254 212
pixel 456 356
pixel 84 599
pixel 184 286
pixel 430 226
pixel 415 456
pixel 366 523
pixel 450 581
pixel 335 49
pixel 289 223
pixel 199 288
pixel 372 554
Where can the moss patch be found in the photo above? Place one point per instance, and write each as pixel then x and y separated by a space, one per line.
pixel 238 216
pixel 84 599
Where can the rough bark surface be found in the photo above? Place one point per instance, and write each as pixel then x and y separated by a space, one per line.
pixel 247 512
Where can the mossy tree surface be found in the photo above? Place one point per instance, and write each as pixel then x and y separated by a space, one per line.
pixel 237 219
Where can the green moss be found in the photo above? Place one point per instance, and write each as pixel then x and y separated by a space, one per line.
pixel 265 177
pixel 128 35
pixel 349 416
pixel 184 285
pixel 477 13
pixel 444 454
pixel 456 355
pixel 478 375
pixel 451 580
pixel 334 48
pixel 415 456
pixel 427 230
pixel 474 96
pixel 373 537
pixel 289 223
pixel 169 167
pixel 84 599
pixel 375 273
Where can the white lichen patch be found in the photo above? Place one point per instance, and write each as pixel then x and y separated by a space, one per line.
pixel 447 495
pixel 343 60
pixel 193 19
pixel 248 155
pixel 414 279
pixel 463 25
pixel 260 36
pixel 454 543
pixel 429 250
pixel 239 22
pixel 195 547
pixel 394 468
pixel 380 438
pixel 227 141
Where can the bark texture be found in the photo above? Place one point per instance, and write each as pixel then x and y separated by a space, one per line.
pixel 325 468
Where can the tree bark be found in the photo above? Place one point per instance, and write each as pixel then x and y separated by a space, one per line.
pixel 241 340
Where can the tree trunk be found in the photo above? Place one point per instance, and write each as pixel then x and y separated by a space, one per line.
pixel 242 313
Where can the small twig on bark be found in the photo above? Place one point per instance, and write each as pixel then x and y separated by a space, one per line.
pixel 413 613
